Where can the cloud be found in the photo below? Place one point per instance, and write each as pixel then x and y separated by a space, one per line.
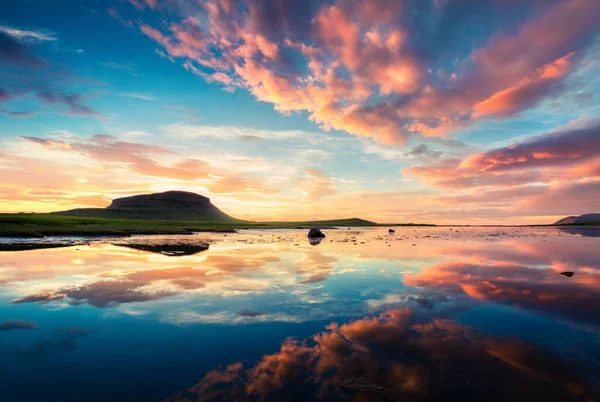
pixel 533 174
pixel 137 156
pixel 141 4
pixel 28 36
pixel 121 67
pixel 19 114
pixel 558 149
pixel 315 185
pixel 191 132
pixel 4 95
pixel 418 152
pixel 372 69
pixel 15 53
pixel 72 100
pixel 251 313
pixel 139 96
pixel 17 324
pixel 314 278
pixel 527 91
pixel 395 357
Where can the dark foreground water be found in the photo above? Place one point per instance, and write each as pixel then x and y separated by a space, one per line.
pixel 469 314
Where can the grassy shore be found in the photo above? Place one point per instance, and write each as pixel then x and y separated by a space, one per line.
pixel 40 225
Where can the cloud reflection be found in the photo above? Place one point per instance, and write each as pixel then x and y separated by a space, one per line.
pixel 287 280
pixel 396 357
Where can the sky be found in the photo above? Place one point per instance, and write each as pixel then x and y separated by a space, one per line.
pixel 432 111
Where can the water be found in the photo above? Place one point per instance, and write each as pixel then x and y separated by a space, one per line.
pixel 425 314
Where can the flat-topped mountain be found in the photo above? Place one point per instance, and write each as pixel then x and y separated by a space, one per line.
pixel 585 218
pixel 170 205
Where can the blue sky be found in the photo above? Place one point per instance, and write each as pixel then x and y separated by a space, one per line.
pixel 304 111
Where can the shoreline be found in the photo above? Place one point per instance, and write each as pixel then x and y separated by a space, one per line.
pixel 38 226
pixel 50 225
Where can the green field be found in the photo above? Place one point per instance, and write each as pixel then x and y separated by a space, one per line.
pixel 40 225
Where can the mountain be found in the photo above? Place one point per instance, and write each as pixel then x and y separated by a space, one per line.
pixel 585 218
pixel 588 218
pixel 170 205
pixel 566 221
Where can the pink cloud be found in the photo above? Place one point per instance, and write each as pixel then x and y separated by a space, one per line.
pixel 563 155
pixel 527 91
pixel 557 173
pixel 358 66
pixel 560 149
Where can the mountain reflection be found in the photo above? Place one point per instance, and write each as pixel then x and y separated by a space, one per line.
pixel 396 357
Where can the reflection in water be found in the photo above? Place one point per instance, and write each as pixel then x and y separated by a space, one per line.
pixel 167 248
pixel 394 315
pixel 395 357
pixel 585 231
pixel 315 241
pixel 61 339
pixel 541 290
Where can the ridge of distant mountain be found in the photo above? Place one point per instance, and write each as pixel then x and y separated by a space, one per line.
pixel 170 205
pixel 585 218
pixel 565 221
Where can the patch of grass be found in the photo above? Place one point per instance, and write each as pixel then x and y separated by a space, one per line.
pixel 39 225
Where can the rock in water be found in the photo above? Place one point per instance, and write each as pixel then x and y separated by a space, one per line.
pixel 315 233
pixel 391 231
pixel 315 241
pixel 568 273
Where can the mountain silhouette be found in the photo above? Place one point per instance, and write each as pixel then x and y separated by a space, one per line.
pixel 170 205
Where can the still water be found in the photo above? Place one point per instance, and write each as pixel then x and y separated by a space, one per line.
pixel 424 314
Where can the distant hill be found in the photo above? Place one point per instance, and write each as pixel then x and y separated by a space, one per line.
pixel 170 205
pixel 566 221
pixel 585 218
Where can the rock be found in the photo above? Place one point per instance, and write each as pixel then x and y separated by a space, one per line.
pixel 315 241
pixel 391 231
pixel 568 273
pixel 314 232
